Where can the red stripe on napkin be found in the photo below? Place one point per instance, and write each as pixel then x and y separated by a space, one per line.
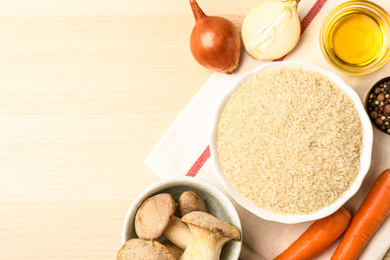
pixel 311 14
pixel 199 162
pixel 306 21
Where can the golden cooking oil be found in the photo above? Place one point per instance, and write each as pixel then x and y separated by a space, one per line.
pixel 355 37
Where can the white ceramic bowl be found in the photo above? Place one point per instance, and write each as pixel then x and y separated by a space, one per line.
pixel 217 202
pixel 365 158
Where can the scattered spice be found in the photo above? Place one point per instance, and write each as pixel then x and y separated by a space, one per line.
pixel 378 105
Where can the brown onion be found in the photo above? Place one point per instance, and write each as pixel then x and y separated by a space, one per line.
pixel 215 41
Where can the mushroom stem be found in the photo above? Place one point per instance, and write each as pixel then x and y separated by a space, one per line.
pixel 204 244
pixel 175 251
pixel 208 235
pixel 178 232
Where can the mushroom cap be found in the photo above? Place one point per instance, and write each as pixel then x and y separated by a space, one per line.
pixel 154 215
pixel 142 249
pixel 209 222
pixel 191 201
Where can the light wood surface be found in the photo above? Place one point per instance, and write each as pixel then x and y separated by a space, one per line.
pixel 87 88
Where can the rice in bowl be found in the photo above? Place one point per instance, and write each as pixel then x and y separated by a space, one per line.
pixel 290 140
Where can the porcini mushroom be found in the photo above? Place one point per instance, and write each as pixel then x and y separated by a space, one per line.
pixel 140 249
pixel 190 201
pixel 155 217
pixel 208 235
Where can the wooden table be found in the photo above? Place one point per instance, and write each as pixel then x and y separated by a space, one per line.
pixel 87 88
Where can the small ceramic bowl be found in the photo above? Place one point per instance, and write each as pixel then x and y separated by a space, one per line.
pixel 217 202
pixel 380 110
pixel 365 159
pixel 336 16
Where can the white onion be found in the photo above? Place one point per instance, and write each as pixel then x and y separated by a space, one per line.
pixel 271 29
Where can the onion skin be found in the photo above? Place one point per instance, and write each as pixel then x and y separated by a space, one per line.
pixel 215 42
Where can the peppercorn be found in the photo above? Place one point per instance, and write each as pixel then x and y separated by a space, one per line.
pixel 387 109
pixel 377 90
pixel 373 114
pixel 378 121
pixel 380 97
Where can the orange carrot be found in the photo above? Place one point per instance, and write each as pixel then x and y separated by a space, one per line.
pixel 318 237
pixel 372 212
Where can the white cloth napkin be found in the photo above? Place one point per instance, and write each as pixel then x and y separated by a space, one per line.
pixel 183 150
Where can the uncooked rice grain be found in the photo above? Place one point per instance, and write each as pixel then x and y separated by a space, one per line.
pixel 290 141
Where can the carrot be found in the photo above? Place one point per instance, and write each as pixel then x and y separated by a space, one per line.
pixel 318 237
pixel 372 212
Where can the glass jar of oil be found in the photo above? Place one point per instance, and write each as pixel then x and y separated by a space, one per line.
pixel 355 37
